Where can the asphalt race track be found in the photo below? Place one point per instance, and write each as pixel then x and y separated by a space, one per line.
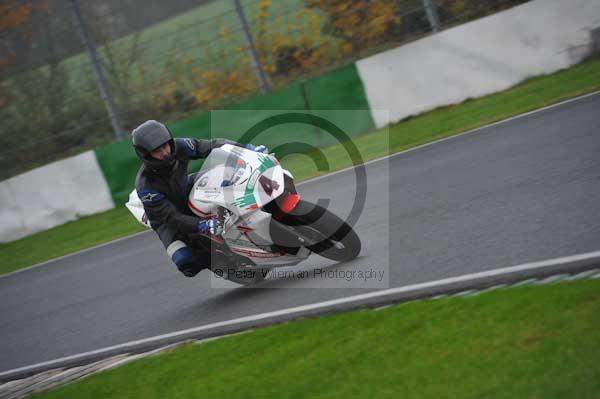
pixel 524 190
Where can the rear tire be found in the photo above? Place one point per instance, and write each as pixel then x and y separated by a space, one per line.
pixel 335 239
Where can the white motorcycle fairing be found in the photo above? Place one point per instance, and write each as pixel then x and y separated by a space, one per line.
pixel 242 182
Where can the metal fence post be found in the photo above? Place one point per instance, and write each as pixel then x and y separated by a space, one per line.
pixel 260 73
pixel 88 42
pixel 432 14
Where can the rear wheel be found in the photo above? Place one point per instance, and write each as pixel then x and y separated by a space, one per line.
pixel 323 232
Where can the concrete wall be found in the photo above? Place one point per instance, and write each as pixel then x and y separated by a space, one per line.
pixel 52 195
pixel 478 58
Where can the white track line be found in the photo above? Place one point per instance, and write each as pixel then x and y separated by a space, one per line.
pixel 477 129
pixel 320 305
pixel 345 170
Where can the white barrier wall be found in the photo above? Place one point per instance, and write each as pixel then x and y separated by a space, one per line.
pixel 478 58
pixel 52 195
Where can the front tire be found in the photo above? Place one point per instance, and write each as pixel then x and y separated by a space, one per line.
pixel 329 235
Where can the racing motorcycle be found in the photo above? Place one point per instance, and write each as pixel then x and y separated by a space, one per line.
pixel 265 223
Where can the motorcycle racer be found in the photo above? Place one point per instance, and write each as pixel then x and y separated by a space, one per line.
pixel 163 185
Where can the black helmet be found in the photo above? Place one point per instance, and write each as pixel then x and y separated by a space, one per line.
pixel 149 136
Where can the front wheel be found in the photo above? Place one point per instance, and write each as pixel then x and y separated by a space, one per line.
pixel 324 233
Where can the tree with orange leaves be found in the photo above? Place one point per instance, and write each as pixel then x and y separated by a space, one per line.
pixel 360 24
pixel 13 15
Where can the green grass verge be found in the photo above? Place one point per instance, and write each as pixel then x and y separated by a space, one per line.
pixel 528 342
pixel 447 121
pixel 443 122
pixel 67 238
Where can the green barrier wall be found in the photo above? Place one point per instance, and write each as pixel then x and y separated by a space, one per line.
pixel 326 95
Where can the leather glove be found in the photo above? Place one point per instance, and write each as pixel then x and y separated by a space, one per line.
pixel 210 226
pixel 260 148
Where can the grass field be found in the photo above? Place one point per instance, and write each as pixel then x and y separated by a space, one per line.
pixel 527 342
pixel 443 122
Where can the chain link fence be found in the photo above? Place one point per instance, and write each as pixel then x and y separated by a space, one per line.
pixel 76 74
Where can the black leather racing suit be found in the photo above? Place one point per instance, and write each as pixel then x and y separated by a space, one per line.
pixel 165 196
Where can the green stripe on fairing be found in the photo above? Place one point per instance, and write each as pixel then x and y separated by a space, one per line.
pixel 266 162
pixel 341 89
pixel 248 198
